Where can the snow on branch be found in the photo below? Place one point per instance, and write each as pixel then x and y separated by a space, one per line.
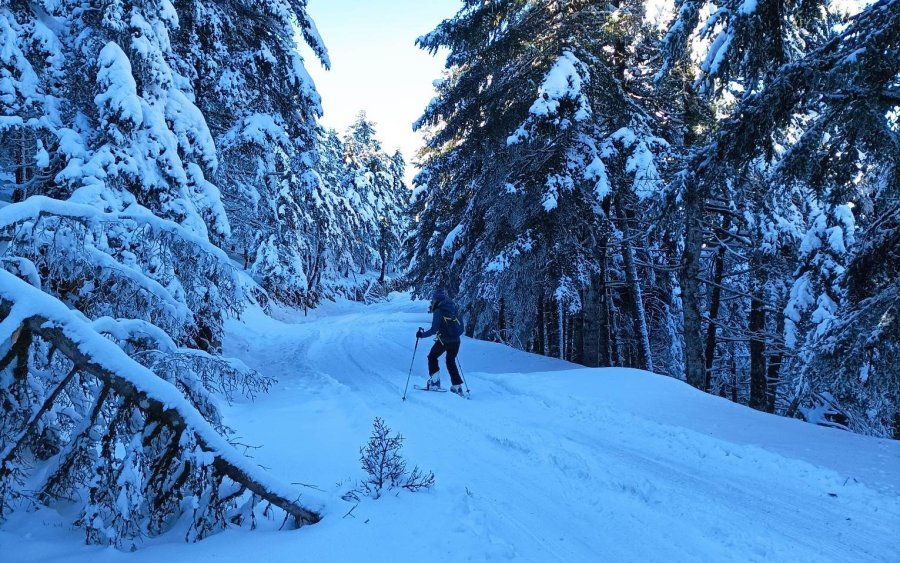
pixel 155 269
pixel 561 99
pixel 35 206
pixel 24 307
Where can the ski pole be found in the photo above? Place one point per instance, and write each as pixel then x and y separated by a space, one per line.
pixel 411 367
pixel 461 375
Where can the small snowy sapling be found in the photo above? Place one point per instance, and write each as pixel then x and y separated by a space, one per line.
pixel 386 468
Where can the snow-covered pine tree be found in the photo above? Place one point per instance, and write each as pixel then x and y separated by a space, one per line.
pixel 375 189
pixel 740 45
pixel 839 100
pixel 848 156
pixel 538 169
pixel 741 42
pixel 395 221
pixel 757 256
pixel 856 358
pixel 112 293
pixel 242 64
pixel 336 223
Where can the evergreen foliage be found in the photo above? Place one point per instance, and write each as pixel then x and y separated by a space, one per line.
pixel 153 153
pixel 531 198
pixel 718 201
pixel 702 203
pixel 385 467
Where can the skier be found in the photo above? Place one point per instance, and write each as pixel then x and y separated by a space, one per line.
pixel 446 325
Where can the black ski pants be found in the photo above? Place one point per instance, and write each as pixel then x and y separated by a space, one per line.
pixel 452 349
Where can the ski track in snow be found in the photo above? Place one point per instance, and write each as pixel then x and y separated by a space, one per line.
pixel 547 462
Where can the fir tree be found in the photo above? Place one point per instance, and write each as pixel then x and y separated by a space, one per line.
pixel 248 77
pixel 530 197
pixel 836 101
pixel 374 187
pixel 113 292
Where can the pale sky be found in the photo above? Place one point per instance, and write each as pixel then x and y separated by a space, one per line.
pixel 375 64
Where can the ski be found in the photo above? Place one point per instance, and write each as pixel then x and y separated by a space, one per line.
pixel 420 388
pixel 433 390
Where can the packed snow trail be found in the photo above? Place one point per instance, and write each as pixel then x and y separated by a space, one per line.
pixel 548 461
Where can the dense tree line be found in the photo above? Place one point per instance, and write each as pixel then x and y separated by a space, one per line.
pixel 716 201
pixel 370 182
pixel 161 166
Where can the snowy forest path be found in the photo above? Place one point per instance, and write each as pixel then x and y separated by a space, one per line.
pixel 545 450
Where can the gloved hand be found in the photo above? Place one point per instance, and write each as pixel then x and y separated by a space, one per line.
pixel 420 332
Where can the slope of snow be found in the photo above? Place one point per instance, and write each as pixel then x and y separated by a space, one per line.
pixel 547 462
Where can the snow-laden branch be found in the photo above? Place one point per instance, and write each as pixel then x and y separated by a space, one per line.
pixel 47 317
pixel 33 207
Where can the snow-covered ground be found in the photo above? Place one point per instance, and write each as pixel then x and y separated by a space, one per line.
pixel 547 462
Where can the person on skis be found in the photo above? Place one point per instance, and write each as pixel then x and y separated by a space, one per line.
pixel 446 326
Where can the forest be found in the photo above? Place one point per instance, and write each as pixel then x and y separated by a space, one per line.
pixel 715 199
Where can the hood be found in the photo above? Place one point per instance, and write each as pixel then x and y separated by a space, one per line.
pixel 448 308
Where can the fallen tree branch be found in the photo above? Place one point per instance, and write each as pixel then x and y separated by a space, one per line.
pixel 91 353
pixel 7 456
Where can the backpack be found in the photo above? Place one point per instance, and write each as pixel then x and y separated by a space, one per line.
pixel 452 326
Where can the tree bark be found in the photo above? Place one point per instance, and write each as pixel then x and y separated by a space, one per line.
pixel 383 274
pixel 714 301
pixel 638 313
pixel 757 327
pixel 577 331
pixel 773 373
pixel 604 328
pixel 501 321
pixel 591 326
pixel 617 348
pixel 561 326
pixel 542 328
pixel 689 278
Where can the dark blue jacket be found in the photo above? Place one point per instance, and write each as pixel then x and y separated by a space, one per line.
pixel 446 308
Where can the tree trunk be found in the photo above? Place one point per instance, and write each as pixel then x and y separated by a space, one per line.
pixel 757 327
pixel 542 328
pixel 19 193
pixel 549 327
pixel 638 313
pixel 561 325
pixel 734 380
pixel 689 274
pixel 577 330
pixel 617 347
pixel 645 356
pixel 774 372
pixel 603 309
pixel 591 326
pixel 501 321
pixel 383 251
pixel 714 302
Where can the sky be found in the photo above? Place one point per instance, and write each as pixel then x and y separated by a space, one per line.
pixel 376 65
